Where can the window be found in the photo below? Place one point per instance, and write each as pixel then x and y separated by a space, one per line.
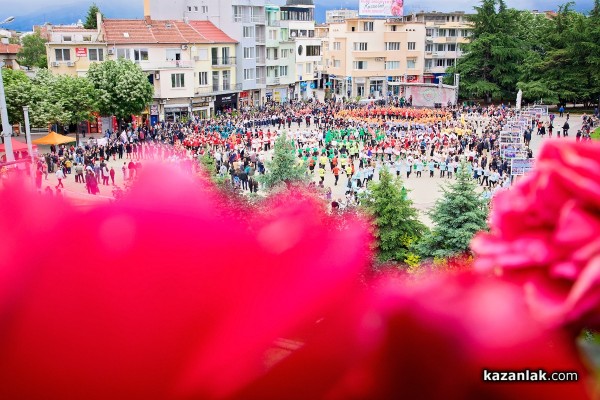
pixel 195 8
pixel 140 54
pixel 203 78
pixel 248 32
pixel 285 53
pixel 368 26
pixel 394 28
pixel 87 38
pixel 411 63
pixel 203 54
pixel 441 32
pixel 429 32
pixel 360 46
pixel 429 47
pixel 248 53
pixel 272 34
pixel 392 45
pixel 215 81
pixel 313 51
pixel 283 70
pixel 337 64
pixel 173 54
pixel 225 55
pixel 299 69
pixel 440 62
pixel 451 47
pixel 177 80
pixel 308 68
pixel 249 74
pixel 412 45
pixel 189 9
pixel 67 38
pixel 62 54
pixel 205 9
pixel 392 65
pixel 451 32
pixel 337 45
pixel 360 65
pixel 449 62
pixel 96 54
pixel 123 53
pixel 440 47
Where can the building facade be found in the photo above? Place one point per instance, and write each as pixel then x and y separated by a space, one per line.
pixel 445 34
pixel 281 59
pixel 367 57
pixel 242 20
pixel 298 26
pixel 190 65
pixel 336 16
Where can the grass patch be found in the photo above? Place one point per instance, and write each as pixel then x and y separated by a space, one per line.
pixel 596 134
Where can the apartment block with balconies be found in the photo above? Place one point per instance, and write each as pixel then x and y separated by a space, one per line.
pixel 368 57
pixel 445 35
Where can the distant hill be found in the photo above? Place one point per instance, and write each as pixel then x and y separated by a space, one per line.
pixel 70 14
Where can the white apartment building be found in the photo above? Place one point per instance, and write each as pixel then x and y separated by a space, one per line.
pixel 298 26
pixel 242 20
pixel 281 59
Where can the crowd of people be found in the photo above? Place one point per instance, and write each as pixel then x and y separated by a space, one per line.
pixel 348 141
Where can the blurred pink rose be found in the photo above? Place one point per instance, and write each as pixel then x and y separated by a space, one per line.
pixel 544 233
pixel 429 341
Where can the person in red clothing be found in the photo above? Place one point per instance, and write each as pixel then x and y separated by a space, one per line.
pixel 336 174
pixel 112 175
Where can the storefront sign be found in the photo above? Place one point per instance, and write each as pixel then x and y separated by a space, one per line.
pixel 154 109
pixel 81 52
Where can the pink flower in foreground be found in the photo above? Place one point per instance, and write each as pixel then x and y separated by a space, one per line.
pixel 162 296
pixel 431 341
pixel 545 234
pixel 166 295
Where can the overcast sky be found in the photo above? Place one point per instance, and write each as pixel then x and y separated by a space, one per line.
pixel 26 7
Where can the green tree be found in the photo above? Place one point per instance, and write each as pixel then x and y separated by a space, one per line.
pixel 33 51
pixel 457 216
pixel 490 67
pixel 396 221
pixel 91 21
pixel 123 88
pixel 77 97
pixel 284 167
pixel 18 89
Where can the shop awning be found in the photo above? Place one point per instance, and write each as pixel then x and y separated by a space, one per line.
pixel 53 138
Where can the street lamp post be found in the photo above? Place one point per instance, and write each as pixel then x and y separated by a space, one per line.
pixel 29 144
pixel 6 127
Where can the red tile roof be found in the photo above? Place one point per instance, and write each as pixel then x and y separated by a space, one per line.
pixel 134 31
pixel 211 32
pixel 9 48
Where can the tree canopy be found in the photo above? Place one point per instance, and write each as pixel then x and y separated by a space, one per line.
pixel 91 21
pixel 284 167
pixel 457 216
pixel 551 57
pixel 396 222
pixel 123 88
pixel 33 51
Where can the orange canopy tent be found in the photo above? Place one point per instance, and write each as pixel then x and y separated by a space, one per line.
pixel 16 146
pixel 54 138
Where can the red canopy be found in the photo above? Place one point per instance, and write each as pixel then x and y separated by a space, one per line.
pixel 16 145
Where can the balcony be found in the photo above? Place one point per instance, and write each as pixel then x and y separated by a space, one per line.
pixel 451 39
pixel 273 80
pixel 260 40
pixel 274 23
pixel 261 81
pixel 223 62
pixel 218 89
pixel 260 60
pixel 175 64
pixel 439 54
pixel 247 19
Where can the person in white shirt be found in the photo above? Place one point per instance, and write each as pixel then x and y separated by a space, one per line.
pixel 60 175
